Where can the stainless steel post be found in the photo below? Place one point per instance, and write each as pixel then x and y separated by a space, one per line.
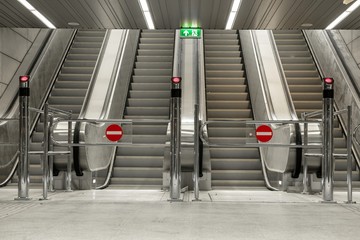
pixel 328 141
pixel 70 157
pixel 304 157
pixel 175 142
pixel 23 168
pixel 51 159
pixel 45 155
pixel 349 155
pixel 196 151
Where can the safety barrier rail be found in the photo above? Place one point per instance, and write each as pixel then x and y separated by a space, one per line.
pixel 305 121
pixel 69 143
pixel 255 144
pixel 14 159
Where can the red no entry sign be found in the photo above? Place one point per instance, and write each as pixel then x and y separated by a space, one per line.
pixel 264 133
pixel 114 132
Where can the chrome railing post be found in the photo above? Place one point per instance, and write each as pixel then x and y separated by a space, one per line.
pixel 70 157
pixel 45 158
pixel 349 156
pixel 328 141
pixel 23 169
pixel 305 166
pixel 175 142
pixel 196 152
pixel 51 158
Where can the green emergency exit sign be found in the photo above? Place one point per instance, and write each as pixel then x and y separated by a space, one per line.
pixel 190 33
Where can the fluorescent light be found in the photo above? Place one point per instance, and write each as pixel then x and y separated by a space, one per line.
pixel 231 20
pixel 27 5
pixel 145 8
pixel 41 17
pixel 235 5
pixel 232 15
pixel 149 20
pixel 344 15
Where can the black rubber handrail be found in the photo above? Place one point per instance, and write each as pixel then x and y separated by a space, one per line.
pixel 76 150
pixel 298 159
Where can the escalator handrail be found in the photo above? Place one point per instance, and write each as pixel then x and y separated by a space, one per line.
pixel 104 113
pixel 298 139
pixel 261 75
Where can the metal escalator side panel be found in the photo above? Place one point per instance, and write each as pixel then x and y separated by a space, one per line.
pixel 269 101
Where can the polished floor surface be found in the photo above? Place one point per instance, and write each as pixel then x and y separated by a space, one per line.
pixel 147 214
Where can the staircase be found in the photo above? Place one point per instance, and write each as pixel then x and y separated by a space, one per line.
pixel 69 90
pixel 305 87
pixel 148 98
pixel 228 99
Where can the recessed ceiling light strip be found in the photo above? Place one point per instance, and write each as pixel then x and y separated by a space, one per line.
pixel 146 11
pixel 344 15
pixel 41 17
pixel 232 15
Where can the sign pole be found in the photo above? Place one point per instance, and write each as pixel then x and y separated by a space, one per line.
pixel 175 142
pixel 328 140
pixel 23 168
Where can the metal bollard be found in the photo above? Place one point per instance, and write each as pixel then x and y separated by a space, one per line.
pixel 328 141
pixel 175 142
pixel 23 168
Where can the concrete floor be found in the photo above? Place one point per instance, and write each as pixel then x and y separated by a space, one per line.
pixel 146 214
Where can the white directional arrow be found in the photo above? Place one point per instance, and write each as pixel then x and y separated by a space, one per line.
pixel 186 33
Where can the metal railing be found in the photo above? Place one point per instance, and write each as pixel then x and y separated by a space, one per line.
pixel 347 156
pixel 69 143
pixel 254 144
pixel 14 160
pixel 305 145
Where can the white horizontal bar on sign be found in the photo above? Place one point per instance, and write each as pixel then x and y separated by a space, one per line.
pixel 114 132
pixel 264 134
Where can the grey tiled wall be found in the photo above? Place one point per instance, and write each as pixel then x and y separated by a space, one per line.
pixel 14 44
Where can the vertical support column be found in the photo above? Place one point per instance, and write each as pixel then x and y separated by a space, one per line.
pixel 23 168
pixel 328 140
pixel 175 142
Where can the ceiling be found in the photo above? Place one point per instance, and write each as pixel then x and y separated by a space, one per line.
pixel 171 14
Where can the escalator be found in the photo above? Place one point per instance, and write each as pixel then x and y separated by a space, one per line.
pixel 305 88
pixel 69 89
pixel 228 99
pixel 139 166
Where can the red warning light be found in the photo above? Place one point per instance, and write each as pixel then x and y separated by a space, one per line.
pixel 176 80
pixel 328 80
pixel 25 78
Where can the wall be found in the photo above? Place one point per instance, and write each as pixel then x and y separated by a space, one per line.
pixel 14 44
pixel 352 40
